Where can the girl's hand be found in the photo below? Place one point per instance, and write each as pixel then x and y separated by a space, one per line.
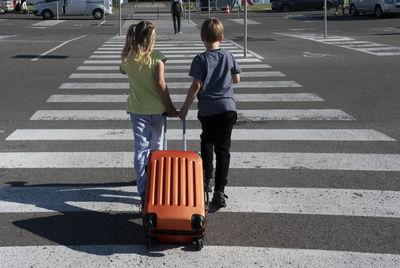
pixel 171 111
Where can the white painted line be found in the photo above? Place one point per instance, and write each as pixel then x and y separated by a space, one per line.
pixel 272 97
pixel 351 43
pixel 194 134
pixel 57 47
pixel 167 67
pixel 48 23
pixel 169 56
pixel 240 21
pixel 308 201
pixel 178 256
pixel 174 85
pixel 239 160
pixel 118 52
pixel 98 68
pixel 240 60
pixel 382 48
pixel 387 53
pixel 252 115
pixel 167 75
pixel 101 23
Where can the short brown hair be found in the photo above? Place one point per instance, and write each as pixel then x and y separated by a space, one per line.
pixel 212 30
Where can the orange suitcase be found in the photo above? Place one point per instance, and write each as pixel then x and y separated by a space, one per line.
pixel 175 201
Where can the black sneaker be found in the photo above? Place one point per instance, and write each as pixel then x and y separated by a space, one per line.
pixel 218 199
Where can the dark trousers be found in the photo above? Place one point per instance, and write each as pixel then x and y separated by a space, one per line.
pixel 177 23
pixel 216 135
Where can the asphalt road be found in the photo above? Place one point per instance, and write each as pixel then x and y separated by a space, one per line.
pixel 335 196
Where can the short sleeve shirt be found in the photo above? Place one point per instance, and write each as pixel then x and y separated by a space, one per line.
pixel 144 97
pixel 214 68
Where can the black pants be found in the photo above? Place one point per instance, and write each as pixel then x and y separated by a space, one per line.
pixel 216 135
pixel 177 23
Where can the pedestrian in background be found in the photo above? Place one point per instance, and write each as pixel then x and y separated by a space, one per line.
pixel 148 95
pixel 177 13
pixel 340 4
pixel 214 72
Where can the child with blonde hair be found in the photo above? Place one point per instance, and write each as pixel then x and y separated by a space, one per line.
pixel 214 72
pixel 148 97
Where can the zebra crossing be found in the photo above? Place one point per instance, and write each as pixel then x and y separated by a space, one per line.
pixel 98 82
pixel 368 47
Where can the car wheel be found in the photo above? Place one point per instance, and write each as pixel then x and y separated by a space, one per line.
pixel 47 14
pixel 353 10
pixel 98 14
pixel 378 12
pixel 286 8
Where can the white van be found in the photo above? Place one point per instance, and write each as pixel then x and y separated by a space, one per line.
pixel 48 8
pixel 378 7
pixel 6 5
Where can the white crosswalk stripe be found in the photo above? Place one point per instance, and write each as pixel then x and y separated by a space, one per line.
pixel 176 85
pixel 233 256
pixel 100 119
pixel 270 97
pixel 253 115
pixel 344 202
pixel 168 67
pixel 249 160
pixel 167 75
pixel 194 134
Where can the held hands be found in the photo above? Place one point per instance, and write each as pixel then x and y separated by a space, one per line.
pixel 182 113
pixel 171 111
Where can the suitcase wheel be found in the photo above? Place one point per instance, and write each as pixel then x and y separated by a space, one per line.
pixel 199 244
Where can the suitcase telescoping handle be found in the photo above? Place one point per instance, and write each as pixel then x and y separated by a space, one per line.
pixel 183 133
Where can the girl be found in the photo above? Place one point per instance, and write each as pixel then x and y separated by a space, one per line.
pixel 148 95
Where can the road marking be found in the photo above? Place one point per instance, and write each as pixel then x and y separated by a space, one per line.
pixel 271 97
pixel 179 256
pixel 169 61
pixel 194 134
pixel 341 42
pixel 118 52
pixel 175 85
pixel 304 201
pixel 57 47
pixel 243 115
pixel 167 75
pixel 48 23
pixel 167 67
pixel 4 36
pixel 183 54
pixel 101 23
pixel 240 21
pixel 239 160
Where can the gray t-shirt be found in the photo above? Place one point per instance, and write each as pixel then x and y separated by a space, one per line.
pixel 215 69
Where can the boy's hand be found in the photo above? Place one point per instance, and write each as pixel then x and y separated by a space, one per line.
pixel 182 114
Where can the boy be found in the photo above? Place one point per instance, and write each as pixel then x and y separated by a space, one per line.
pixel 214 72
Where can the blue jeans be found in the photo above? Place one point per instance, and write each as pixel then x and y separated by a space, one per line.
pixel 177 23
pixel 148 134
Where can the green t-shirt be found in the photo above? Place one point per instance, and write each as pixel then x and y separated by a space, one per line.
pixel 144 97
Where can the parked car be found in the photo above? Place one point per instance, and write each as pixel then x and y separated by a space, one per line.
pixel 48 8
pixel 292 5
pixel 6 5
pixel 378 7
